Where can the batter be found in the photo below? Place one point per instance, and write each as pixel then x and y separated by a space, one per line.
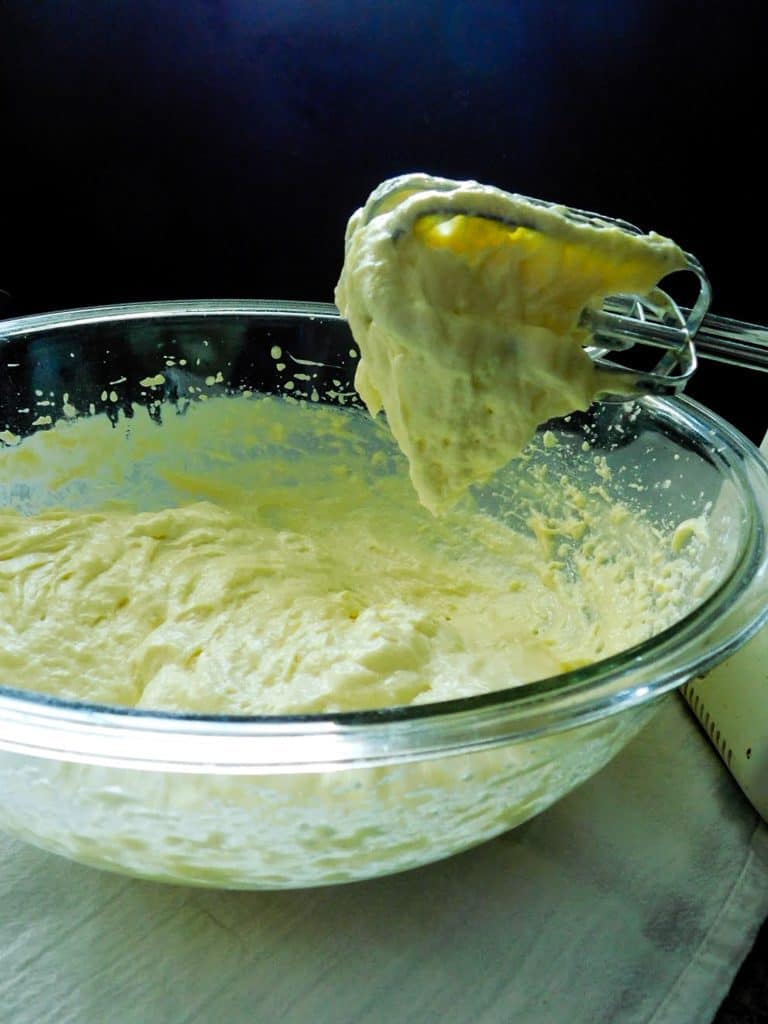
pixel 262 556
pixel 466 303
pixel 259 556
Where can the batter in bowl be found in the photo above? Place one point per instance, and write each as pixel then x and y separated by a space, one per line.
pixel 268 556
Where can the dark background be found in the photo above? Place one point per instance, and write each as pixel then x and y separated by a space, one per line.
pixel 215 148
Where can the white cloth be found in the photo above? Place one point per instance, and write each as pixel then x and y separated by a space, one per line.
pixel 634 899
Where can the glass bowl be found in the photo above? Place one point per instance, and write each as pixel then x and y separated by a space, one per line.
pixel 301 800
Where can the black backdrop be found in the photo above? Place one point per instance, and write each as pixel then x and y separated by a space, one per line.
pixel 214 148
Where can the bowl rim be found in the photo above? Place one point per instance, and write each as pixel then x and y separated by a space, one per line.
pixel 39 725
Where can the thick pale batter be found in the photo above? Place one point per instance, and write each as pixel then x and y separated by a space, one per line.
pixel 466 302
pixel 260 556
pixel 268 556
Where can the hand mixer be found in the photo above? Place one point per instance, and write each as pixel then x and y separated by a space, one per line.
pixel 731 701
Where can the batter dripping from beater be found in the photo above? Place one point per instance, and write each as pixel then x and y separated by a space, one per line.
pixel 467 319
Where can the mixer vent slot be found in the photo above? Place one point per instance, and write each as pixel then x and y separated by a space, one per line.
pixel 708 723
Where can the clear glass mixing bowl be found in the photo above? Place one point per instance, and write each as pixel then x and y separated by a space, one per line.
pixel 303 800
